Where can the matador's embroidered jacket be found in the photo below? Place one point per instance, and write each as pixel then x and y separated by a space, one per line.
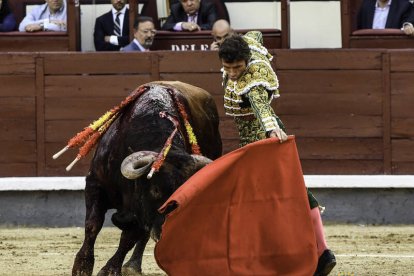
pixel 248 99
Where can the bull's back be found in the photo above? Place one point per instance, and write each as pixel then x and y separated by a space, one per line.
pixel 196 97
pixel 204 116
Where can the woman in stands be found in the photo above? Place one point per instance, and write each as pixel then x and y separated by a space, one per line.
pixel 7 20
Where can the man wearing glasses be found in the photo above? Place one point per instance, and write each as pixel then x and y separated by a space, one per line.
pixel 144 33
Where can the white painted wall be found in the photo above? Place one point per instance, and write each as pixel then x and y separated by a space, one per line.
pixel 315 24
pixel 254 15
pixel 312 24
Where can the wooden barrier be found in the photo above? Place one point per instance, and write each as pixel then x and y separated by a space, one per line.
pixel 384 38
pixel 351 110
pixel 34 42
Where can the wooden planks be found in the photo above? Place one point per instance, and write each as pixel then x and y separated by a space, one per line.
pixel 339 59
pixel 196 62
pixel 351 110
pixel 402 105
pixel 332 101
pixel 92 86
pixel 18 135
pixel 110 63
pixel 402 156
pixel 16 64
pixel 402 123
pixel 333 125
pixel 17 115
pixel 22 42
pixel 382 41
pixel 343 166
pixel 340 148
pixel 402 60
pixel 329 81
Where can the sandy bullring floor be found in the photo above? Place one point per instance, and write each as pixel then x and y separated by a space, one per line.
pixel 360 250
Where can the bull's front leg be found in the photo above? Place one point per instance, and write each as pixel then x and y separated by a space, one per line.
pixel 95 216
pixel 133 266
pixel 128 240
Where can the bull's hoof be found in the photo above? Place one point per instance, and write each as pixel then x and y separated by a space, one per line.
pixel 109 272
pixel 81 273
pixel 83 266
pixel 131 271
pixel 124 221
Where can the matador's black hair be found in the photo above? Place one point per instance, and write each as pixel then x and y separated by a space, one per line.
pixel 234 48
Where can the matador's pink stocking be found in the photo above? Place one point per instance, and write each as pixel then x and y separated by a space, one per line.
pixel 318 228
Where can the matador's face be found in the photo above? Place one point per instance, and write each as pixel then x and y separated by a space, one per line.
pixel 234 69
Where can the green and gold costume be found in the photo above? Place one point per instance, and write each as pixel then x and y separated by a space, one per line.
pixel 248 98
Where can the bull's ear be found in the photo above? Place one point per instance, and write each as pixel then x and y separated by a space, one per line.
pixel 137 164
pixel 200 161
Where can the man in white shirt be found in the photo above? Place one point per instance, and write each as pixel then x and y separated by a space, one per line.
pixel 112 28
pixel 381 14
pixel 50 16
pixel 144 33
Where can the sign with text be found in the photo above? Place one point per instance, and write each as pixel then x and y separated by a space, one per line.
pixel 190 47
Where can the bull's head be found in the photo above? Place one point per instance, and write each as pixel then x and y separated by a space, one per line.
pixel 139 163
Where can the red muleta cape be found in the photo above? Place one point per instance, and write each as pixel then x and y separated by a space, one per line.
pixel 247 213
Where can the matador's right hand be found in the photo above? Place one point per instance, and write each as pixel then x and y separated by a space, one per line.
pixel 279 133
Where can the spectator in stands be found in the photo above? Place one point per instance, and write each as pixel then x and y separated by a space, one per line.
pixel 112 28
pixel 381 14
pixel 7 20
pixel 221 30
pixel 191 15
pixel 144 33
pixel 50 16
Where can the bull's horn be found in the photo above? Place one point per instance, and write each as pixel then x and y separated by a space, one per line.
pixel 137 164
pixel 200 161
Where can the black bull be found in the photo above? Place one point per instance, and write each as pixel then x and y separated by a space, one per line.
pixel 139 130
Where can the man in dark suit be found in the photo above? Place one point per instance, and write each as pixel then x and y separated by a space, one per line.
pixel 144 33
pixel 112 28
pixel 381 14
pixel 191 15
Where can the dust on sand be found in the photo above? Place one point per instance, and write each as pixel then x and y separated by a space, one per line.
pixel 360 250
